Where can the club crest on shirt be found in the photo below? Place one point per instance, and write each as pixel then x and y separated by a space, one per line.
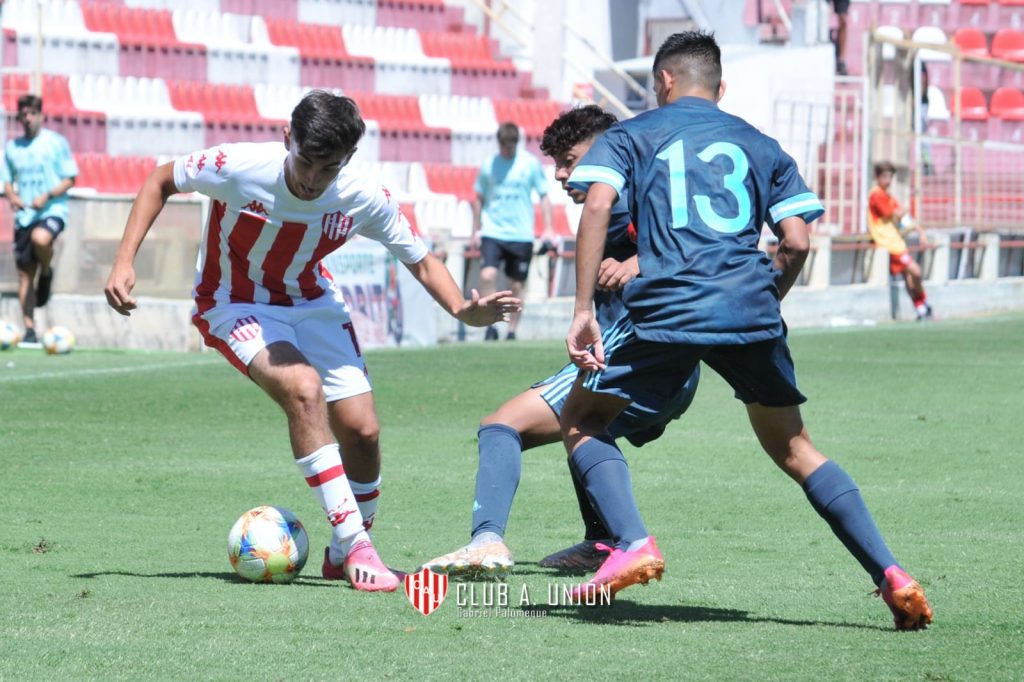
pixel 336 226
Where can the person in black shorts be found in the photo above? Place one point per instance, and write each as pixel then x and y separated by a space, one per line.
pixel 38 171
pixel 842 8
pixel 503 217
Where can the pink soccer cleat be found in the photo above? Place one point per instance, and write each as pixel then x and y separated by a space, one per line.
pixel 905 598
pixel 622 569
pixel 363 569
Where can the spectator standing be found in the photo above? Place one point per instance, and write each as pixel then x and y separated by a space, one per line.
pixel 885 214
pixel 503 217
pixel 38 171
pixel 842 9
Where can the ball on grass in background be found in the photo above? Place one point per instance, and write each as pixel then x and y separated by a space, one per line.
pixel 268 545
pixel 10 337
pixel 58 341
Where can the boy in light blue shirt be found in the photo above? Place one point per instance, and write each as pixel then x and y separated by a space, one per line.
pixel 503 217
pixel 38 171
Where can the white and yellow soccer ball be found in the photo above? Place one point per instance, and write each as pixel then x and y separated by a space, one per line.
pixel 268 545
pixel 10 337
pixel 58 341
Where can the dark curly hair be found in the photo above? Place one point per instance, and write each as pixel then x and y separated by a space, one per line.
pixel 574 126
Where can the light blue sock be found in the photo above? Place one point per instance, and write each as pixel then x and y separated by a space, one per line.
pixel 835 496
pixel 497 477
pixel 599 464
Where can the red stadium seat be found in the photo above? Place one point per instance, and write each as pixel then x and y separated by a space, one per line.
pixel 972 105
pixel 1008 44
pixel 971 41
pixel 1008 104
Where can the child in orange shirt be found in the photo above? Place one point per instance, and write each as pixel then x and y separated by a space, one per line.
pixel 884 213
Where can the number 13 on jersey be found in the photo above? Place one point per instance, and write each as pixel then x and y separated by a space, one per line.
pixel 731 182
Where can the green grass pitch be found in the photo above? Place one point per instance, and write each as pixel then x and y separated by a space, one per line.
pixel 121 473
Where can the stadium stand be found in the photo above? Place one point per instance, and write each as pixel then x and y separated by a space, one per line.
pixel 132 81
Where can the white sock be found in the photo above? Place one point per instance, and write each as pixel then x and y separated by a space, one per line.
pixel 367 496
pixel 325 475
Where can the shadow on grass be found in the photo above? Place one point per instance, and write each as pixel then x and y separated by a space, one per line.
pixel 223 576
pixel 629 613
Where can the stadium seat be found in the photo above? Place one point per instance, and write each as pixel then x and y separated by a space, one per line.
pixel 938 110
pixel 897 13
pixel 971 41
pixel 888 51
pixel 972 105
pixel 1008 104
pixel 1008 44
pixel 429 15
pixel 931 35
pixel 559 222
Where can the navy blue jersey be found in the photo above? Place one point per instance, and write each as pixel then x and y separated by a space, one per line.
pixel 700 183
pixel 621 246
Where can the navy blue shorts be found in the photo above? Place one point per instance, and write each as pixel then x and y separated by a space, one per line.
pixel 515 255
pixel 647 372
pixel 24 253
pixel 642 421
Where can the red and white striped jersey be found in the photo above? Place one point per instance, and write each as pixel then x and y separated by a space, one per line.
pixel 264 245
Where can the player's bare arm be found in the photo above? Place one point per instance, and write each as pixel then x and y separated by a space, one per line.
pixel 615 274
pixel 476 312
pixel 157 188
pixel 584 339
pixel 794 244
pixel 478 207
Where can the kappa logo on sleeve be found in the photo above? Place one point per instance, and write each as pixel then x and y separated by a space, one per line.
pixel 221 159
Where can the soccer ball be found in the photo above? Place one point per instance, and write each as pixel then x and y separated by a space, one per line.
pixel 58 341
pixel 9 336
pixel 268 545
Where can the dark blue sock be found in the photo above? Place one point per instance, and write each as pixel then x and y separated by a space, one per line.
pixel 593 528
pixel 601 467
pixel 835 496
pixel 497 477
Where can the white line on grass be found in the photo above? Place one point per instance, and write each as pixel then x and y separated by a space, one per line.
pixel 99 371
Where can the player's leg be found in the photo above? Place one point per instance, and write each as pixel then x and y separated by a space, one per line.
pixel 914 280
pixel 764 378
pixel 287 377
pixel 490 259
pixel 352 417
pixel 837 499
pixel 598 463
pixel 24 259
pixel 355 425
pixel 521 423
pixel 43 237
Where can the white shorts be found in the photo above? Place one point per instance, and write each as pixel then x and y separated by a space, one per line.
pixel 321 329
